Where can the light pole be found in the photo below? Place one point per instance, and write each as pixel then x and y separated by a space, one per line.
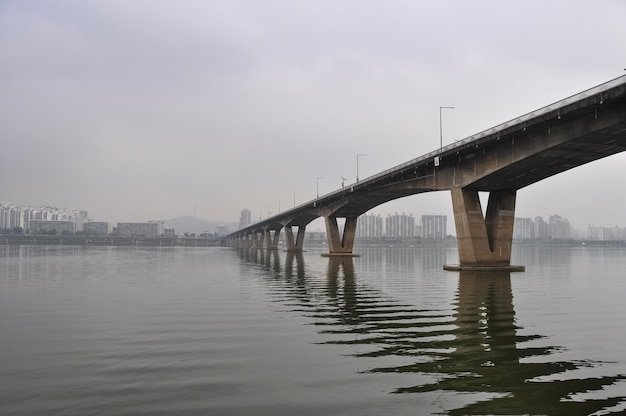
pixel 294 198
pixel 357 165
pixel 318 185
pixel 441 128
pixel 279 205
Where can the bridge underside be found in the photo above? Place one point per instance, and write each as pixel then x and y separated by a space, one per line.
pixel 554 150
pixel 500 161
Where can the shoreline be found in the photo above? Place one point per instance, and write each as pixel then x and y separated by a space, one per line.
pixel 123 241
pixel 90 240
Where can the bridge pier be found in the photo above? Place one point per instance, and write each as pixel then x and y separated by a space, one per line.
pixel 258 238
pixel 484 241
pixel 271 241
pixel 294 245
pixel 340 245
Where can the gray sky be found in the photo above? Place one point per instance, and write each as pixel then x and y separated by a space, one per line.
pixel 149 109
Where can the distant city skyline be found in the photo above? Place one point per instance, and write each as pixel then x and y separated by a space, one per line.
pixel 393 225
pixel 246 216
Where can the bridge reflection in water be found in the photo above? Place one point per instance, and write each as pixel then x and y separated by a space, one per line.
pixel 469 359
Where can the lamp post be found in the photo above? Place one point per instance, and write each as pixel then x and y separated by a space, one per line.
pixel 279 201
pixel 318 185
pixel 357 165
pixel 294 198
pixel 441 128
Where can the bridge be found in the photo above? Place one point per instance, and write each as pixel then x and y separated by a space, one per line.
pixel 574 131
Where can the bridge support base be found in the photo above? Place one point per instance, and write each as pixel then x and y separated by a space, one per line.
pixel 484 242
pixel 340 255
pixel 294 245
pixel 258 239
pixel 271 241
pixel 340 245
pixel 458 268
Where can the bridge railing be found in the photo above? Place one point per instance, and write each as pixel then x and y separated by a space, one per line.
pixel 500 127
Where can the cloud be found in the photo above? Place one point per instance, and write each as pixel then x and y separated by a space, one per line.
pixel 142 109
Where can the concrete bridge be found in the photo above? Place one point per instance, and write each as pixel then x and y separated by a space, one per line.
pixel 577 130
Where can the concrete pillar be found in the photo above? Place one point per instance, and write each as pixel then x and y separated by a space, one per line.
pixel 484 241
pixel 257 239
pixel 297 244
pixel 340 244
pixel 271 241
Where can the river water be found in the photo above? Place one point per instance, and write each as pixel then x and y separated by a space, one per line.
pixel 221 331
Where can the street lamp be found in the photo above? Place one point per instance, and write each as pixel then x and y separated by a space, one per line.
pixel 294 198
pixel 318 185
pixel 441 128
pixel 357 165
pixel 279 205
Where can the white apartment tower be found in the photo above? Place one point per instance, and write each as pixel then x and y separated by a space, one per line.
pixel 400 226
pixel 246 218
pixel 369 226
pixel 434 227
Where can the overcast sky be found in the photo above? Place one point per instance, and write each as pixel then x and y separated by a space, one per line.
pixel 149 109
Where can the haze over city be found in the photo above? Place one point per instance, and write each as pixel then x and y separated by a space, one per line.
pixel 153 109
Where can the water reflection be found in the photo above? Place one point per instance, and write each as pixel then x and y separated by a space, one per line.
pixel 473 351
pixel 429 257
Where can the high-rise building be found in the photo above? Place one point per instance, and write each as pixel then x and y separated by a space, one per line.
pixel 542 228
pixel 559 227
pixel 556 228
pixel 434 227
pixel 96 228
pixel 245 218
pixel 606 233
pixel 523 229
pixel 369 226
pixel 140 229
pixel 400 226
pixel 80 217
pixel 52 226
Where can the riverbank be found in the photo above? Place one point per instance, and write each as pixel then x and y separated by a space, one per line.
pixel 84 240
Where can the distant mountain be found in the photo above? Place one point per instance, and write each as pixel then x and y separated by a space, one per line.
pixel 195 225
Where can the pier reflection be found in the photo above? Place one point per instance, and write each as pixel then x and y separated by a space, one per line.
pixel 473 350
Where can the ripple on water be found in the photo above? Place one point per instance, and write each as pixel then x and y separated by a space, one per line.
pixel 217 331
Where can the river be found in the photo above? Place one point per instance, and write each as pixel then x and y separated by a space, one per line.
pixel 222 331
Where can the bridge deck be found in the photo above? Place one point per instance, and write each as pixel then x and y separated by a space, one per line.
pixel 547 141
